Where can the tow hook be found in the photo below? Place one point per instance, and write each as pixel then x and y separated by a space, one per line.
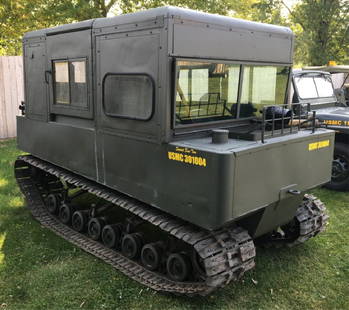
pixel 294 192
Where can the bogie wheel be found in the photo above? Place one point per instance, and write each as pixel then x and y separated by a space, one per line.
pixel 79 220
pixel 151 255
pixel 178 267
pixel 95 227
pixel 111 235
pixel 340 168
pixel 65 213
pixel 131 245
pixel 53 202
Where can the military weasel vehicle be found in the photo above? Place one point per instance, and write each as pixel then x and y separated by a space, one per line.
pixel 177 121
pixel 315 89
pixel 340 79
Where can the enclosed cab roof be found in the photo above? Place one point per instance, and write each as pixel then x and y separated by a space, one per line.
pixel 195 34
pixel 187 14
pixel 331 69
pixel 308 72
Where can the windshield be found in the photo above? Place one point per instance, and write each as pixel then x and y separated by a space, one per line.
pixel 208 91
pixel 310 86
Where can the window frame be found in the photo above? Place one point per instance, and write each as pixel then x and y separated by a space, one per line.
pixel 68 109
pixel 70 61
pixel 312 76
pixel 54 82
pixel 213 124
pixel 143 74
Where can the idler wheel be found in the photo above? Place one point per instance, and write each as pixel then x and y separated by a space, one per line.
pixel 111 235
pixel 79 220
pixel 53 202
pixel 151 256
pixel 65 213
pixel 178 267
pixel 131 245
pixel 95 227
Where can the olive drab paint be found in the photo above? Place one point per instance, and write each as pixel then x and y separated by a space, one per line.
pixel 74 117
pixel 332 114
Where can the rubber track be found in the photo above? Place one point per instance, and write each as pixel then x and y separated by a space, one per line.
pixel 312 218
pixel 226 253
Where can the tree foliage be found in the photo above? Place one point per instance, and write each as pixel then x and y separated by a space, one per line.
pixel 20 16
pixel 321 26
pixel 324 30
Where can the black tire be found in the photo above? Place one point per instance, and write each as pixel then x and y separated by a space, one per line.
pixel 79 220
pixel 65 213
pixel 178 267
pixel 340 168
pixel 53 202
pixel 151 256
pixel 95 227
pixel 131 245
pixel 111 235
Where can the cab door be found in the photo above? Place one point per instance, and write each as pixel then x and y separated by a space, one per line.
pixel 127 94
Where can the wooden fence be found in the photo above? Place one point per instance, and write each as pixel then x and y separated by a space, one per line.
pixel 11 93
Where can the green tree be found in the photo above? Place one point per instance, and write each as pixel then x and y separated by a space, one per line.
pixel 268 11
pixel 20 16
pixel 322 28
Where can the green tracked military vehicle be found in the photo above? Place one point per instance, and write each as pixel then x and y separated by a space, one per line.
pixel 176 121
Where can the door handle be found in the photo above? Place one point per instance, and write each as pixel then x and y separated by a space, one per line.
pixel 46 76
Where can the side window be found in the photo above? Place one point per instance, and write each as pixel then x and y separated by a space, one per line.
pixel 262 86
pixel 78 86
pixel 206 91
pixel 128 96
pixel 70 87
pixel 61 69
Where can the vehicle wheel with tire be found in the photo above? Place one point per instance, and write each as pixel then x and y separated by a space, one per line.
pixel 340 168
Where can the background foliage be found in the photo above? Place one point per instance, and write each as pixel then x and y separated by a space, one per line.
pixel 321 26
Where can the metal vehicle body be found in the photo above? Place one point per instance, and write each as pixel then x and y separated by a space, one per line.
pixel 316 89
pixel 159 113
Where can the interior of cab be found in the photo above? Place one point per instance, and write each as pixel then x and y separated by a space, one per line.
pixel 209 91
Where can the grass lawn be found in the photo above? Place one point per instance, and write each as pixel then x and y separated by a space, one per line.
pixel 39 270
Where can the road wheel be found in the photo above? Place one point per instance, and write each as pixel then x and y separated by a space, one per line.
pixel 79 220
pixel 95 227
pixel 178 267
pixel 151 256
pixel 65 213
pixel 340 168
pixel 132 245
pixel 53 203
pixel 111 235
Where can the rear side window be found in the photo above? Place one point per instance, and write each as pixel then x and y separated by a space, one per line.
pixel 128 96
pixel 70 87
pixel 62 93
